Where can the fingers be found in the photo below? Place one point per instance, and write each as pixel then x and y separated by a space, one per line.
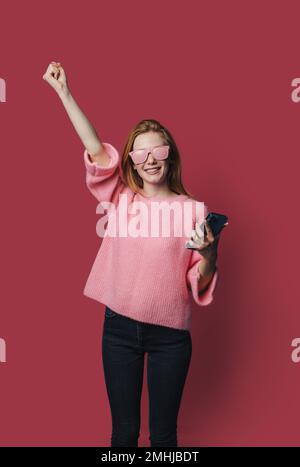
pixel 200 229
pixel 210 236
pixel 56 65
pixel 53 70
pixel 200 234
pixel 201 240
pixel 50 72
pixel 197 242
pixel 58 68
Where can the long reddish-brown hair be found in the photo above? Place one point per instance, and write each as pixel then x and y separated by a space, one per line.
pixel 130 175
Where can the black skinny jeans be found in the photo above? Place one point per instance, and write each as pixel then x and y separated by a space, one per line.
pixel 124 343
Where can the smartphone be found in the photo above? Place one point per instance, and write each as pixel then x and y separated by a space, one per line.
pixel 216 222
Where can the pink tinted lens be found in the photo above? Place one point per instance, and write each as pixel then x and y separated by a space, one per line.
pixel 138 156
pixel 159 153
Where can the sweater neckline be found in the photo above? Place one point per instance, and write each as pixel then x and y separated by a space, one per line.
pixel 161 198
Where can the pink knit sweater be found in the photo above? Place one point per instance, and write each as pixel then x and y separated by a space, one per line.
pixel 152 279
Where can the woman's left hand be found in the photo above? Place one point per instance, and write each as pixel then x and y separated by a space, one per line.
pixel 207 245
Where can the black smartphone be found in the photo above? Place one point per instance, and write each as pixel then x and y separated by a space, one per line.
pixel 216 222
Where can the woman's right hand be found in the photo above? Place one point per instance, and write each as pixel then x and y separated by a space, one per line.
pixel 56 77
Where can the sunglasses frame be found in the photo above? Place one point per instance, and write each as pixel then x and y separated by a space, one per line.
pixel 147 150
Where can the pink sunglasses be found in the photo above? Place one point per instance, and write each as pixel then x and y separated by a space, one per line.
pixel 140 155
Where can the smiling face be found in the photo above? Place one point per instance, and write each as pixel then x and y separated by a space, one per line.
pixel 152 171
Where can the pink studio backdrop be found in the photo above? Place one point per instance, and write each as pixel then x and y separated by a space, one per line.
pixel 218 75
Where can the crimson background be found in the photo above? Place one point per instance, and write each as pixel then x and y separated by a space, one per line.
pixel 218 75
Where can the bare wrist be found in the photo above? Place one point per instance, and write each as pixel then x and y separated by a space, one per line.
pixel 64 93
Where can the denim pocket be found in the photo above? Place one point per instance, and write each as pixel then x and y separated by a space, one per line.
pixel 109 313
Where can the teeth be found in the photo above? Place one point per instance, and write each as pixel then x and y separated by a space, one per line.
pixel 152 170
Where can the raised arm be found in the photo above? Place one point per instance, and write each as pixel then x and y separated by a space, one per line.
pixel 56 77
pixel 102 160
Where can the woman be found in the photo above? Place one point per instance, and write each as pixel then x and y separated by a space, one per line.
pixel 145 282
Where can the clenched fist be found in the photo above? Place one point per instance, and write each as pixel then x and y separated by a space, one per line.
pixel 56 77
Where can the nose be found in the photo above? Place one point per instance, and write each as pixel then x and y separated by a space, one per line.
pixel 150 156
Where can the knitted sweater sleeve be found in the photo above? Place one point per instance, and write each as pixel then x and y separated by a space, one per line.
pixel 192 276
pixel 104 182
